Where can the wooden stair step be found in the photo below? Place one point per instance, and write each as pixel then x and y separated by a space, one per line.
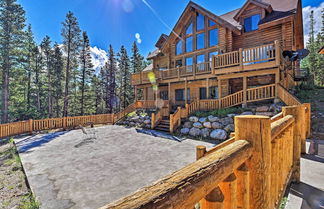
pixel 163 126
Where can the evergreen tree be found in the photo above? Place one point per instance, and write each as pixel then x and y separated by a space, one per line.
pixel 12 23
pixel 86 68
pixel 38 70
pixel 136 59
pixel 110 80
pixel 47 51
pixel 71 42
pixel 30 45
pixel 125 87
pixel 57 61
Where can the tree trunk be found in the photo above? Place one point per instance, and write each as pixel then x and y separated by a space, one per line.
pixel 5 89
pixel 67 79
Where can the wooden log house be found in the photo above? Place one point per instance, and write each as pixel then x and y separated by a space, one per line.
pixel 209 56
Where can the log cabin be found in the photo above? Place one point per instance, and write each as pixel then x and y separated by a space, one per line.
pixel 235 56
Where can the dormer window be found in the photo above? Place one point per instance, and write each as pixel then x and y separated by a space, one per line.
pixel 251 23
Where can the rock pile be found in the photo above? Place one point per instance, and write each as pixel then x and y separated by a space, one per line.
pixel 139 119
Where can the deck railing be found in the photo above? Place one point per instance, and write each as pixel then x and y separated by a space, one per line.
pixel 250 171
pixel 232 100
pixel 175 120
pixel 260 93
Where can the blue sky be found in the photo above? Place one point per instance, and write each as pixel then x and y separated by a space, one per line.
pixel 117 21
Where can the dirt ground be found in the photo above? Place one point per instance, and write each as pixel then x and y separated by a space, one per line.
pixel 14 192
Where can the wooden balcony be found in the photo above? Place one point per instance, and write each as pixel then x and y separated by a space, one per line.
pixel 255 58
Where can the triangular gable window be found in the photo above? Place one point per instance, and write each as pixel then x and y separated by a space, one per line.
pixel 189 29
pixel 211 23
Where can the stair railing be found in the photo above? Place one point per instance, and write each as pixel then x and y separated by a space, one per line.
pixel 156 118
pixel 175 120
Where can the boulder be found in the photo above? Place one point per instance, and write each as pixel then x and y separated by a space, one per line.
pixel 247 113
pixel 207 125
pixel 187 124
pixel 193 119
pixel 270 114
pixel 147 121
pixel 218 134
pixel 197 125
pixel 229 128
pixel 202 120
pixel 262 109
pixel 184 130
pixel 226 121
pixel 132 123
pixel 212 118
pixel 231 115
pixel 205 132
pixel 217 125
pixel 135 118
pixel 194 132
pixel 147 126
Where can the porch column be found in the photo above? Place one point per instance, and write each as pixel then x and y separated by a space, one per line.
pixel 156 97
pixel 169 91
pixel 145 93
pixel 207 88
pixel 219 92
pixel 186 96
pixel 244 92
pixel 277 79
pixel 135 94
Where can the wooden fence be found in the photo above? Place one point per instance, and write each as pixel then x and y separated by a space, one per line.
pixel 249 171
pixel 21 127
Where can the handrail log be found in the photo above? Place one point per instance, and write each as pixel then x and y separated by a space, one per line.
pixel 187 186
pixel 277 117
pixel 280 125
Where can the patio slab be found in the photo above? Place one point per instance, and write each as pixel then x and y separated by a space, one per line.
pixel 75 170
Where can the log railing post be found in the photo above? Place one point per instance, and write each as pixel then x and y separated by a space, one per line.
pixel 31 128
pixel 229 189
pixel 277 47
pixel 298 112
pixel 308 113
pixel 153 120
pixel 241 58
pixel 257 130
pixel 243 187
pixel 171 123
pixel 64 123
pixel 215 199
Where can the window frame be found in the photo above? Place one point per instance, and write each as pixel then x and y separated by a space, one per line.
pixel 251 16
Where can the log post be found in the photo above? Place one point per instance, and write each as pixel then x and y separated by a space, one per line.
pixel 277 51
pixel 64 123
pixel 31 128
pixel 243 187
pixel 153 120
pixel 308 113
pixel 171 123
pixel 244 91
pixel 215 199
pixel 241 58
pixel 257 130
pixel 228 187
pixel 298 112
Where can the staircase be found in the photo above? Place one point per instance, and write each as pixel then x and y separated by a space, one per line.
pixel 163 125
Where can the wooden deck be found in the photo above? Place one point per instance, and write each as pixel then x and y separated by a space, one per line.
pixel 242 60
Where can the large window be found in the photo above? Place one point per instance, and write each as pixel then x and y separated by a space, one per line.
pixel 164 95
pixel 211 54
pixel 200 21
pixel 189 44
pixel 201 41
pixel 201 62
pixel 251 23
pixel 211 23
pixel 189 29
pixel 180 94
pixel 178 63
pixel 179 47
pixel 189 63
pixel 213 37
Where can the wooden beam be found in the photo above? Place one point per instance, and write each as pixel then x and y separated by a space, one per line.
pixel 244 90
pixel 219 85
pixel 187 186
pixel 186 92
pixel 169 91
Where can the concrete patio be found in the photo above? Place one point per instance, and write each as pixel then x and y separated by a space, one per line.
pixel 77 170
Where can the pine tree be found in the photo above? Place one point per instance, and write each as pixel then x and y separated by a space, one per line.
pixel 110 80
pixel 125 87
pixel 57 62
pixel 38 71
pixel 30 45
pixel 137 59
pixel 86 68
pixel 71 42
pixel 47 51
pixel 12 23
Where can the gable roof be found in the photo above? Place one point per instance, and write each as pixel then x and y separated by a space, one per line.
pixel 190 6
pixel 261 4
pixel 163 38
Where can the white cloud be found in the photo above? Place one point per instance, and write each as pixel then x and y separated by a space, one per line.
pixel 317 16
